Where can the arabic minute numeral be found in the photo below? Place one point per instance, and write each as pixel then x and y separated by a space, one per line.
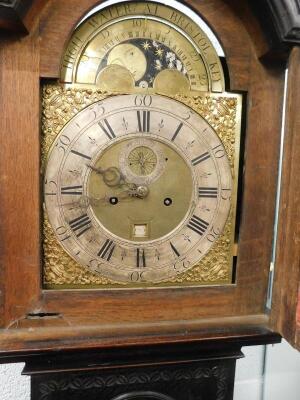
pixel 213 234
pixel 143 100
pixel 95 265
pixel 62 233
pixel 226 194
pixel 63 143
pixel 97 110
pixel 52 186
pixel 181 264
pixel 186 264
pixel 136 276
pixel 219 151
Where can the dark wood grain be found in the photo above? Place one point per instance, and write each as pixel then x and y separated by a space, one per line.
pixel 287 272
pixel 19 176
pixel 252 23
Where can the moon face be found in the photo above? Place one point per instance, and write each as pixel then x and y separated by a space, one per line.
pixel 129 56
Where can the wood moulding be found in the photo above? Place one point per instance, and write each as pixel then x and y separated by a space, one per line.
pixel 31 340
pixel 18 16
pixel 283 18
pixel 285 15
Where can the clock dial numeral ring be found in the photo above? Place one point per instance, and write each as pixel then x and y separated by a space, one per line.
pixel 146 205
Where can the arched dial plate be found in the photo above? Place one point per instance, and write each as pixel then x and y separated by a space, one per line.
pixel 137 230
pixel 142 44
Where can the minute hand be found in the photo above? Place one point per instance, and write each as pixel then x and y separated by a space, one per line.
pixel 86 201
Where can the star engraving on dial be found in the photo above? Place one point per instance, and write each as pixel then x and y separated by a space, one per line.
pixel 146 45
pixel 159 52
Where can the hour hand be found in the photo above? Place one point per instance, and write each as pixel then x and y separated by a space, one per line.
pixel 112 176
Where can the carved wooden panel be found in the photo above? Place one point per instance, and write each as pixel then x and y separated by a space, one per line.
pixel 211 380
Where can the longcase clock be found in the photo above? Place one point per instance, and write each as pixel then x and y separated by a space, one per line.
pixel 140 153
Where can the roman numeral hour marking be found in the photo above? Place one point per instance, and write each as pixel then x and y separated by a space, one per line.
pixel 199 159
pixel 208 192
pixel 107 129
pixel 80 224
pixel 177 131
pixel 107 250
pixel 73 190
pixel 198 225
pixel 77 153
pixel 175 251
pixel 140 258
pixel 143 121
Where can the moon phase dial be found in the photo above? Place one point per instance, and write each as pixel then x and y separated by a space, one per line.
pixel 142 45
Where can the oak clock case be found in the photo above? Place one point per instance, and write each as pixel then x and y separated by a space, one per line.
pixel 177 308
pixel 140 188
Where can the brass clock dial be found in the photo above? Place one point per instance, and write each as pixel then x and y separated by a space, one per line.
pixel 142 45
pixel 137 188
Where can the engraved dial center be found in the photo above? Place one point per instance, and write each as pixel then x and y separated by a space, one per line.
pixel 142 203
pixel 142 160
